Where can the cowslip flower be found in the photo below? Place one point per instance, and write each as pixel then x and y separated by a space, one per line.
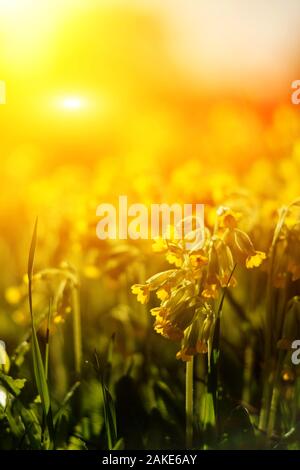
pixel 240 243
pixel 161 281
pixel 187 292
pixel 142 291
pixel 198 336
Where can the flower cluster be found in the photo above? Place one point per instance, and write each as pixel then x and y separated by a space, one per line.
pixel 187 292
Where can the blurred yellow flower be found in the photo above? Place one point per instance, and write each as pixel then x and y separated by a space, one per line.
pixel 228 218
pixel 175 258
pixel 20 317
pixel 91 272
pixel 58 319
pixel 242 248
pixel 13 295
pixel 159 245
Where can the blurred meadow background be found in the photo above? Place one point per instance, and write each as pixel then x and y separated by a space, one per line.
pixel 175 102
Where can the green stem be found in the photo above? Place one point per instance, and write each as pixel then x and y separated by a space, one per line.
pixel 275 396
pixel 189 402
pixel 77 329
pixel 269 328
pixel 47 342
pixel 248 371
pixel 273 410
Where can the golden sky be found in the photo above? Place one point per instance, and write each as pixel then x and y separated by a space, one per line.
pixel 88 78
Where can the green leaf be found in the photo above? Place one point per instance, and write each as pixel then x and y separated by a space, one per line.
pixel 14 386
pixel 109 417
pixel 119 445
pixel 39 372
pixel 30 265
pixel 38 364
pixel 62 409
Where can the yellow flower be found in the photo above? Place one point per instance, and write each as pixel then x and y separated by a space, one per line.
pixel 170 244
pixel 242 248
pixel 159 245
pixel 91 272
pixel 175 258
pixel 58 319
pixel 20 317
pixel 163 293
pixel 142 291
pixel 172 319
pixel 167 329
pixel 13 295
pixel 198 260
pixel 162 282
pixel 160 312
pixel 255 260
pixel 228 218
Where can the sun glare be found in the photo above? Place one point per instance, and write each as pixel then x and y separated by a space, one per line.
pixel 72 103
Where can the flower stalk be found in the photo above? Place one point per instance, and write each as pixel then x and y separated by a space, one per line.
pixel 189 401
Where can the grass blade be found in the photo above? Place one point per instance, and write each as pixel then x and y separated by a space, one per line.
pixel 38 365
pixel 110 418
pixel 30 266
